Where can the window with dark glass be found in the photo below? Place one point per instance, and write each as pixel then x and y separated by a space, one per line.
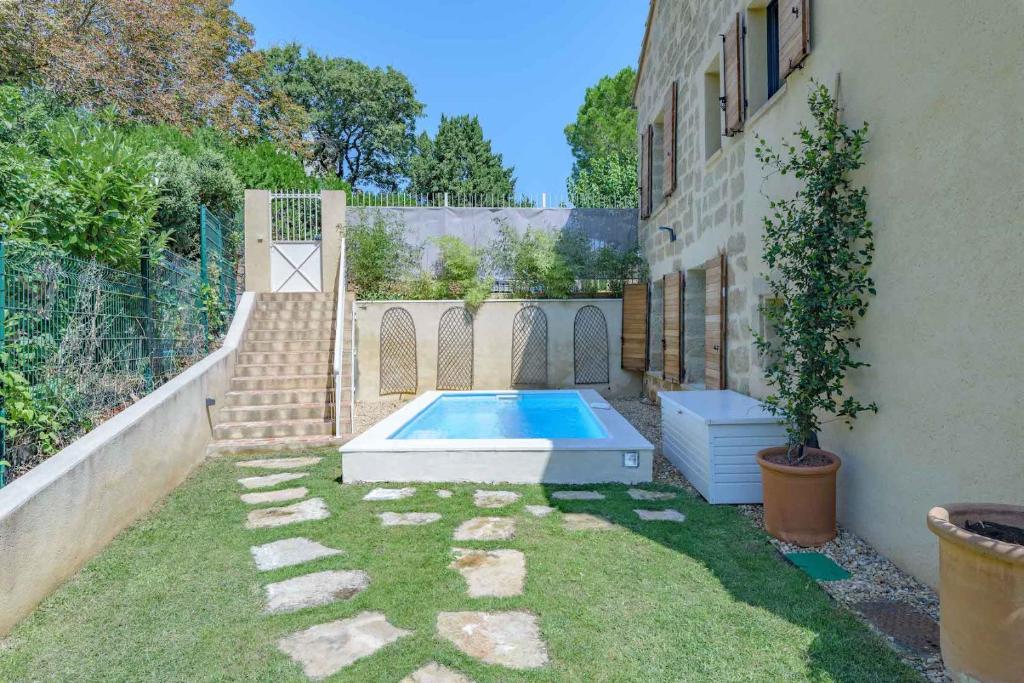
pixel 772 44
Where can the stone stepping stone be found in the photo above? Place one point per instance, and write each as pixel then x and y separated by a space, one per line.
pixel 328 648
pixel 312 590
pixel 442 493
pixel 435 673
pixel 390 494
pixel 408 518
pixel 278 496
pixel 585 522
pixel 494 499
pixel 540 510
pixel 641 494
pixel 510 639
pixel 270 480
pixel 486 529
pixel 491 573
pixel 661 515
pixel 306 511
pixel 289 552
pixel 279 463
pixel 577 495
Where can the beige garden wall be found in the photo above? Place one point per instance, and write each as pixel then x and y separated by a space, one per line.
pixel 940 84
pixel 492 361
pixel 58 516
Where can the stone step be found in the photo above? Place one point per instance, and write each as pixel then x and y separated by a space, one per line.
pixel 265 297
pixel 326 335
pixel 279 357
pixel 277 345
pixel 274 444
pixel 297 314
pixel 277 397
pixel 282 369
pixel 282 382
pixel 273 428
pixel 287 306
pixel 325 325
pixel 280 411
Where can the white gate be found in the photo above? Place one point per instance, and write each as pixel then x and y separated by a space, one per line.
pixel 296 264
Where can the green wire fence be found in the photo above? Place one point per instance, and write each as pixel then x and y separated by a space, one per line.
pixel 79 341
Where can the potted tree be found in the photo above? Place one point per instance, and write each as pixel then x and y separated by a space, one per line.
pixel 818 247
pixel 981 586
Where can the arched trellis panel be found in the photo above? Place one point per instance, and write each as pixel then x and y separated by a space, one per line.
pixel 590 346
pixel 455 349
pixel 530 347
pixel 398 369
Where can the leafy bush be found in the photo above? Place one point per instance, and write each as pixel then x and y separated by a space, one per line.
pixel 533 263
pixel 818 246
pixel 458 272
pixel 379 257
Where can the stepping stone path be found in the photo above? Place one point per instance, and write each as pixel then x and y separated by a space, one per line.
pixel 306 511
pixel 577 495
pixel 390 494
pixel 511 639
pixel 491 573
pixel 289 552
pixel 278 496
pixel 486 529
pixel 270 480
pixel 585 522
pixel 279 463
pixel 640 494
pixel 494 499
pixel 661 515
pixel 435 673
pixel 311 590
pixel 442 493
pixel 408 518
pixel 540 510
pixel 328 648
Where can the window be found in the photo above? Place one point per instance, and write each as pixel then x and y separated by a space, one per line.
pixel 762 52
pixel 772 47
pixel 712 108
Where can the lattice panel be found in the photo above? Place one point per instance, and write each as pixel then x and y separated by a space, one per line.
pixel 590 346
pixel 398 370
pixel 530 347
pixel 455 349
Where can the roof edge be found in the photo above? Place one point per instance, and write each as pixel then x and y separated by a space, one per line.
pixel 643 48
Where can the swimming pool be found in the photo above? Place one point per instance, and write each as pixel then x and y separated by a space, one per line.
pixel 539 415
pixel 556 436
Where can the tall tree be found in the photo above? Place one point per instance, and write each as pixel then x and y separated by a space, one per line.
pixel 361 119
pixel 459 161
pixel 603 142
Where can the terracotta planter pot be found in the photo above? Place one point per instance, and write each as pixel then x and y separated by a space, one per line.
pixel 981 587
pixel 799 502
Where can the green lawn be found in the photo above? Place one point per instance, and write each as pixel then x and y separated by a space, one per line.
pixel 177 597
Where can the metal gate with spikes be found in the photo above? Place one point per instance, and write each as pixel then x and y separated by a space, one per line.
pixel 530 347
pixel 455 349
pixel 398 370
pixel 590 346
pixel 295 236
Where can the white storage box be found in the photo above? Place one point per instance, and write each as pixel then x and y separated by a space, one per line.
pixel 713 436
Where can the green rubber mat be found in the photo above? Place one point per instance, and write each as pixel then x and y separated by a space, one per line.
pixel 819 567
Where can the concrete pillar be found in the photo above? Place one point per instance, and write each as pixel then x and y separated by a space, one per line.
pixel 257 240
pixel 332 213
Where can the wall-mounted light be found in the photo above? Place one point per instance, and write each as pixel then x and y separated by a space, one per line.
pixel 671 232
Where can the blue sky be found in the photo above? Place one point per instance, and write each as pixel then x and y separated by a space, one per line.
pixel 522 66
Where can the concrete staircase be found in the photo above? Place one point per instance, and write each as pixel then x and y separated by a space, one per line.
pixel 282 394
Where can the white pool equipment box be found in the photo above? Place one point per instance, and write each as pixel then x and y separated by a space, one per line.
pixel 713 436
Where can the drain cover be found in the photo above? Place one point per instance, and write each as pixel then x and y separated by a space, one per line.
pixel 819 567
pixel 908 626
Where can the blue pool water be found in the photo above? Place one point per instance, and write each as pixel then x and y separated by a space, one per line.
pixel 542 415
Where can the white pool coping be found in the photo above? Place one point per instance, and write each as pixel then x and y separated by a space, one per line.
pixel 374 456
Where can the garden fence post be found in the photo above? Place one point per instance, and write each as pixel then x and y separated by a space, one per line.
pixel 204 278
pixel 151 371
pixel 3 320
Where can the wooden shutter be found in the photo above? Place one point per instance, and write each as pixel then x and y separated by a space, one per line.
pixel 670 122
pixel 635 303
pixel 715 322
pixel 794 34
pixel 642 173
pixel 672 327
pixel 732 74
pixel 649 169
